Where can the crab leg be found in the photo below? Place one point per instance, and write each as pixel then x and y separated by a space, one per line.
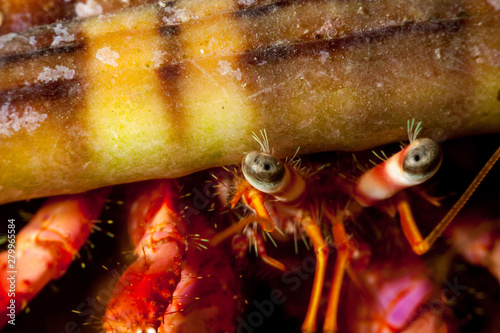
pixel 207 295
pixel 321 249
pixel 344 252
pixel 47 245
pixel 145 290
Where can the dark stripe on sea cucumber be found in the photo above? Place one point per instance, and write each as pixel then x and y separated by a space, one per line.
pixel 277 53
pixel 260 10
pixel 169 3
pixel 171 30
pixel 170 73
pixel 256 11
pixel 37 53
pixel 52 91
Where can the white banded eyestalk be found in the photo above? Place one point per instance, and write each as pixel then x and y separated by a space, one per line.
pixel 412 166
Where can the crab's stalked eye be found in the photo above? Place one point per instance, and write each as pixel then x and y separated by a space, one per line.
pixel 411 166
pixel 422 160
pixel 263 171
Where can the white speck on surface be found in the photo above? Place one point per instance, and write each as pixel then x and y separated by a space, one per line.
pixel 485 54
pixel 62 35
pixel 176 16
pixel 437 53
pixel 53 74
pixel 329 28
pixel 225 68
pixel 323 56
pixel 107 56
pixel 32 40
pixel 12 120
pixel 6 38
pixel 475 51
pixel 246 2
pixel 90 8
pixel 495 4
pixel 158 57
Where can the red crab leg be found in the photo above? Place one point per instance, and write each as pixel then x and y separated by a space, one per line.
pixel 320 248
pixel 47 245
pixel 143 293
pixel 206 297
pixel 344 252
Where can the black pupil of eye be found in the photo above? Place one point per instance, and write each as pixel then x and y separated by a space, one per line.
pixel 423 159
pixel 267 167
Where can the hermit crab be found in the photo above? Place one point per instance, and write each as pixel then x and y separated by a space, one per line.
pixel 99 93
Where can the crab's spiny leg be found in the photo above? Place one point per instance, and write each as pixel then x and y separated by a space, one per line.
pixel 47 245
pixel 207 296
pixel 261 251
pixel 344 252
pixel 321 250
pixel 231 230
pixel 145 290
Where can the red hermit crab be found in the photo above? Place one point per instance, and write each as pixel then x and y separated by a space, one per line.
pixel 164 89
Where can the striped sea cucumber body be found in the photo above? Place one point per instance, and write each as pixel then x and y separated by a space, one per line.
pixel 169 88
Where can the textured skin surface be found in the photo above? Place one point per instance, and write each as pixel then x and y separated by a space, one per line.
pixel 168 89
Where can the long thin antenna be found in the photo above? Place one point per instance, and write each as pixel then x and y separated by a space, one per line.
pixel 438 230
